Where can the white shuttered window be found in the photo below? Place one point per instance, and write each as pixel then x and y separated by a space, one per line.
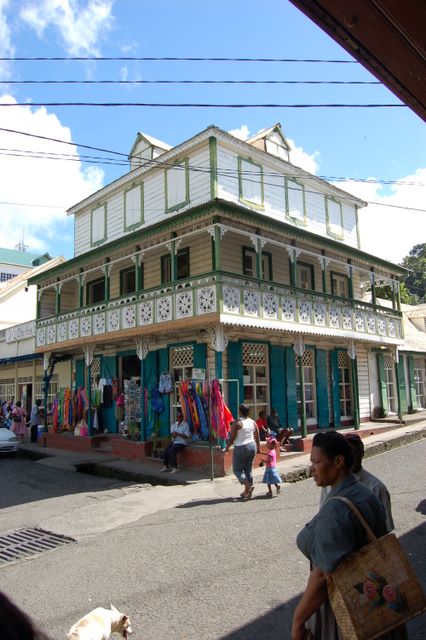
pixel 334 218
pixel 177 185
pixel 295 194
pixel 98 224
pixel 251 181
pixel 133 206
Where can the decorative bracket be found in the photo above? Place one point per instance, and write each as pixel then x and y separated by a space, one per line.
pixel 46 358
pixel 352 350
pixel 106 269
pixel 88 351
pixel 142 347
pixel 219 337
pixel 395 355
pixel 324 262
pixel 299 346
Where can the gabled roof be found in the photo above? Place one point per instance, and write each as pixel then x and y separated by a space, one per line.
pixel 266 133
pixel 153 142
pixel 22 258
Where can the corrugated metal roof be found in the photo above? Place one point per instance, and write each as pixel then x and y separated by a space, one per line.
pixel 19 258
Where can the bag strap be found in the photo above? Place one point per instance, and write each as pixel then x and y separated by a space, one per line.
pixel 359 515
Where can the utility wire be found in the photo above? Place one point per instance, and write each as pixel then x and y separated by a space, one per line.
pixel 169 59
pixel 159 161
pixel 201 105
pixel 74 144
pixel 314 82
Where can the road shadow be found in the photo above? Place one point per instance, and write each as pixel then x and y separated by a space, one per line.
pixel 276 624
pixel 206 503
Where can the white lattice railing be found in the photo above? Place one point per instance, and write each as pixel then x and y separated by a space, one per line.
pixel 233 296
pixel 21 331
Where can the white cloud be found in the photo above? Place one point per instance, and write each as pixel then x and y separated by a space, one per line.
pixel 80 28
pixel 302 159
pixel 243 133
pixel 386 231
pixel 56 184
pixel 6 47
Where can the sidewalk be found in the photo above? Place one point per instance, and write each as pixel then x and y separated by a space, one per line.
pixel 292 466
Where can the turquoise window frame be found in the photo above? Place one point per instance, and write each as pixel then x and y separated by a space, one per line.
pixel 332 234
pixel 96 243
pixel 241 197
pixel 288 216
pixel 178 205
pixel 135 225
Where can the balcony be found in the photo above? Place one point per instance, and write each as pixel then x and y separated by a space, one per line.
pixel 229 299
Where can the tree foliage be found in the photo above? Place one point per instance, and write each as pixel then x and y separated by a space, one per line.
pixel 415 280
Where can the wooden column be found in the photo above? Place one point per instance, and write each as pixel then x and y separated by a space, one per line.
pixel 88 358
pixel 142 350
pixel 373 287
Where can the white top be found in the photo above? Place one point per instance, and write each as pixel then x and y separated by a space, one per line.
pixel 245 435
pixel 181 427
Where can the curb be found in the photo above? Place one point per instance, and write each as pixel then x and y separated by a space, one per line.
pixel 373 449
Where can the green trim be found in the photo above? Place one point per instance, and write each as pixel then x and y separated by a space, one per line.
pixel 213 166
pixel 96 243
pixel 382 384
pixel 178 205
pixel 293 219
pixel 321 380
pixel 135 225
pixel 338 236
pixel 411 385
pixel 277 382
pixel 243 214
pixel 241 197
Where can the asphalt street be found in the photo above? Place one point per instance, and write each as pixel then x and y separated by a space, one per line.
pixel 184 562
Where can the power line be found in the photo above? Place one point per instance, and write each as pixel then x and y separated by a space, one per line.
pixel 238 82
pixel 159 161
pixel 170 59
pixel 202 105
pixel 74 144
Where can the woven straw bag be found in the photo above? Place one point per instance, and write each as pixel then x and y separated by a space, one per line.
pixel 374 589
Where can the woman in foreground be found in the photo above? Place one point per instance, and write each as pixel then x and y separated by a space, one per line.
pixel 333 534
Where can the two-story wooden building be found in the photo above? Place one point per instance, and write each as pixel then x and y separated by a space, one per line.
pixel 220 255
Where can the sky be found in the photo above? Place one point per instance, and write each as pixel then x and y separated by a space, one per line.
pixel 377 154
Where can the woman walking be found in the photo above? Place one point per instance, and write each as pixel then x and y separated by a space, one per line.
pixel 333 534
pixel 245 438
pixel 19 427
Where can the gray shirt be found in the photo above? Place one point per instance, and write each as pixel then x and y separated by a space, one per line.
pixel 377 487
pixel 335 531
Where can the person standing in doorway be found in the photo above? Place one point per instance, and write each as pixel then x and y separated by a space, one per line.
pixel 35 420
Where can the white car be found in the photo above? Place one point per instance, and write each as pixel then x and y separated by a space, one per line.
pixel 8 441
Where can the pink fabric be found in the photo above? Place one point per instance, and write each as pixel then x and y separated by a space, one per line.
pixel 271 458
pixel 19 428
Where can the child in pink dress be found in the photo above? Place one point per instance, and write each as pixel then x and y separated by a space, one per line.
pixel 271 475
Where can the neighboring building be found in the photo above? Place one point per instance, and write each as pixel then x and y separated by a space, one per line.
pixel 219 257
pixel 21 368
pixel 400 387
